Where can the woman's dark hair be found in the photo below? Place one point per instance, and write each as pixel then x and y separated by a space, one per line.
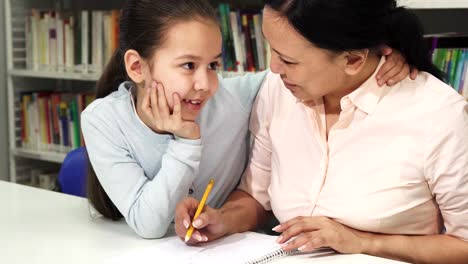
pixel 143 26
pixel 345 25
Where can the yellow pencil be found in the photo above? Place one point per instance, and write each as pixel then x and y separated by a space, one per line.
pixel 199 209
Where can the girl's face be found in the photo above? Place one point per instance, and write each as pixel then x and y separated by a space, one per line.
pixel 186 64
pixel 306 70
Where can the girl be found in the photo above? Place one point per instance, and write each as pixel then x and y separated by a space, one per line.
pixel 341 162
pixel 147 157
pixel 148 153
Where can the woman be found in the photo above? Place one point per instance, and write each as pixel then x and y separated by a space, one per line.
pixel 340 162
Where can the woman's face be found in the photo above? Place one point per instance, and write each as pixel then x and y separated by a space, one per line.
pixel 186 64
pixel 307 71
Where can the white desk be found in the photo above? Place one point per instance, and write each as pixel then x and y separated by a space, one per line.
pixel 38 226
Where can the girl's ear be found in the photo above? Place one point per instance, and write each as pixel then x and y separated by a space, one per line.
pixel 135 66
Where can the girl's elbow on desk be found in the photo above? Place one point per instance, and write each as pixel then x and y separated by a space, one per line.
pixel 151 233
pixel 150 229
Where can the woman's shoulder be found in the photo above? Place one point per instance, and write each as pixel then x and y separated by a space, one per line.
pixel 440 104
pixel 436 94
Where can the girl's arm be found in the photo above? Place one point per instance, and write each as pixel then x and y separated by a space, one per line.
pixel 147 205
pixel 244 88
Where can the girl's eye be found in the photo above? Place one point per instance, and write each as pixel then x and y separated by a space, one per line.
pixel 189 66
pixel 213 66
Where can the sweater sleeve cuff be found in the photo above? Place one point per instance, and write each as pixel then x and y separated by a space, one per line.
pixel 186 150
pixel 193 142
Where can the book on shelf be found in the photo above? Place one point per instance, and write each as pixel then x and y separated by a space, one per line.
pixel 244 47
pixel 44 177
pixel 453 62
pixel 66 41
pixel 50 121
pixel 84 41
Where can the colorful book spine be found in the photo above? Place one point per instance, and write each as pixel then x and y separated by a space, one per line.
pixel 454 64
pixel 253 42
pixel 51 121
pixel 60 40
pixel 260 42
pixel 239 63
pixel 248 43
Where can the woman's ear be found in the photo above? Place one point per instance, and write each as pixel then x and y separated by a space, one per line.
pixel 355 60
pixel 135 66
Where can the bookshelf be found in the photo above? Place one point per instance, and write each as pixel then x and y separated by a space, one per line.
pixel 25 75
pixel 54 75
pixel 22 79
pixel 49 156
pixel 24 160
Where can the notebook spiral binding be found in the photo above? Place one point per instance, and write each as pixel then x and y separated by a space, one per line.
pixel 270 257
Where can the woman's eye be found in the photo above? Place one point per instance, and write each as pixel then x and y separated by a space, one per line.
pixel 213 66
pixel 285 61
pixel 189 66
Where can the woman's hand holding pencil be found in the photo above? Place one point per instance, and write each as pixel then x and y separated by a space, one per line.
pixel 206 225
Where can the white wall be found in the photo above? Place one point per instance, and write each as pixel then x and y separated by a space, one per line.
pixel 434 3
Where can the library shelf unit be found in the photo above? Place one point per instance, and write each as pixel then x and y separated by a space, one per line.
pixel 54 75
pixel 21 78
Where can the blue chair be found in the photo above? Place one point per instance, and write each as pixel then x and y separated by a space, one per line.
pixel 72 175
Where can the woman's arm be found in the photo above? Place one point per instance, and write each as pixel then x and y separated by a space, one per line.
pixel 446 172
pixel 240 213
pixel 309 233
pixel 417 249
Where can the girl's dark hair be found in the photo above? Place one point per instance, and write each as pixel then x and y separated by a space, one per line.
pixel 345 25
pixel 143 26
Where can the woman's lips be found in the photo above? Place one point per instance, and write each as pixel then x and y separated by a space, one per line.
pixel 290 86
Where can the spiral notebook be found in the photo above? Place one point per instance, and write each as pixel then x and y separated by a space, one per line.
pixel 244 248
pixel 247 248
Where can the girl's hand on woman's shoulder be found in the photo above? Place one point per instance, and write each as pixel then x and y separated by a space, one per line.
pixel 155 113
pixel 395 69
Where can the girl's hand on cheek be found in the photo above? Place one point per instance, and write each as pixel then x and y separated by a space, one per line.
pixel 155 113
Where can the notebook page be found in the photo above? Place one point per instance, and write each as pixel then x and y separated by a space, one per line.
pixel 237 248
pixel 165 250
